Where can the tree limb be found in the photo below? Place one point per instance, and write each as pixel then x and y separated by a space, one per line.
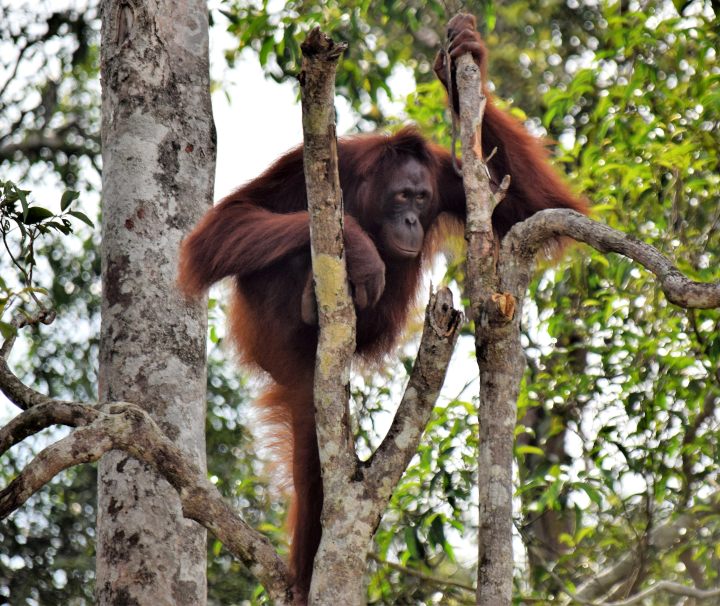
pixel 497 345
pixel 14 389
pixel 84 445
pixel 43 415
pixel 336 312
pixel 127 427
pixel 527 237
pixel 440 333
pixel 406 570
pixel 35 142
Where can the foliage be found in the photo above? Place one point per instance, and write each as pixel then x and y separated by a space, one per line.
pixel 47 554
pixel 619 420
pixel 49 93
pixel 625 383
pixel 22 224
pixel 383 36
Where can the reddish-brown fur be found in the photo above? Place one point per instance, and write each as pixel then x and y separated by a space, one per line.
pixel 259 235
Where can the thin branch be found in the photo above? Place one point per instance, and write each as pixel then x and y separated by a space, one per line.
pixel 14 389
pixel 667 587
pixel 502 190
pixel 527 237
pixel 84 445
pixel 406 570
pixel 46 414
pixel 11 77
pixel 44 316
pixel 661 586
pixel 440 333
pixel 661 539
pixel 35 142
pixel 17 392
pixel 687 450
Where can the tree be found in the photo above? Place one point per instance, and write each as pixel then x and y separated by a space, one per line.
pixel 639 372
pixel 158 145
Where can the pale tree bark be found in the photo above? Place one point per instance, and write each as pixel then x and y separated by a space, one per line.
pixel 356 493
pixel 158 166
pixel 337 561
pixel 501 363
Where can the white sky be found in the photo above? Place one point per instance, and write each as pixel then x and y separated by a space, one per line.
pixel 261 121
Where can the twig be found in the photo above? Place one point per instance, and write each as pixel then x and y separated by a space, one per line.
pixel 406 570
pixel 667 587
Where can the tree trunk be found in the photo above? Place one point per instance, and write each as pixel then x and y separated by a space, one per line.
pixel 158 142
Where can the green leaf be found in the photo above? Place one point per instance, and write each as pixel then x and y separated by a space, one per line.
pixel 527 449
pixel 22 195
pixel 82 216
pixel 411 541
pixel 267 46
pixel 591 492
pixel 67 199
pixel 437 531
pixel 7 330
pixel 37 214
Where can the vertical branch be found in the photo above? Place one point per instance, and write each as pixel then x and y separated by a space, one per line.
pixel 336 312
pixel 481 276
pixel 497 345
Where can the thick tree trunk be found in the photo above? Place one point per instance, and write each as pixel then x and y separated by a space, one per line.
pixel 158 144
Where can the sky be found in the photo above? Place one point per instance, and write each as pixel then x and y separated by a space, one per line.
pixel 262 119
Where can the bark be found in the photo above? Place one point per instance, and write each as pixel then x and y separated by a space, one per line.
pixel 355 493
pixel 351 516
pixel 158 166
pixel 336 314
pixel 497 345
pixel 529 236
